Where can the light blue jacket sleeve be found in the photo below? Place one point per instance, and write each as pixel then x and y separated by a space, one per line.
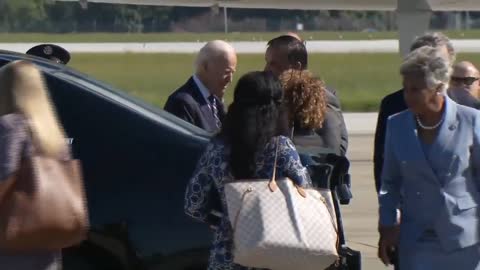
pixel 389 195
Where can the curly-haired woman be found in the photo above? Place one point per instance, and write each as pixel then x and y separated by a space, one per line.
pixel 306 105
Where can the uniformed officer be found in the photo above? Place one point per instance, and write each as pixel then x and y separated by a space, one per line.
pixel 51 52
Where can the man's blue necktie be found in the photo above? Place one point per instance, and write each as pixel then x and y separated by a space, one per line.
pixel 213 106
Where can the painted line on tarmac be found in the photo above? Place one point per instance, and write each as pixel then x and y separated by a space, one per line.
pixel 314 46
pixel 363 244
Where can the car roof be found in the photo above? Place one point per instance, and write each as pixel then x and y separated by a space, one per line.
pixel 66 73
pixel 12 56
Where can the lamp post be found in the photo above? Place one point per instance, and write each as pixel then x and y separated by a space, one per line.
pixel 225 19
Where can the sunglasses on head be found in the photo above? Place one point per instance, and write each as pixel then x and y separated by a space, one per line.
pixel 465 80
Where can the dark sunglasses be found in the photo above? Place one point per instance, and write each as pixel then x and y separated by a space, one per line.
pixel 465 80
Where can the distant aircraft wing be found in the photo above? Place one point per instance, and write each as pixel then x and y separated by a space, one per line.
pixel 276 4
pixel 186 3
pixel 436 5
pixel 413 16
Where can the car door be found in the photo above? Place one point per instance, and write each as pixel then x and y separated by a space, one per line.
pixel 136 162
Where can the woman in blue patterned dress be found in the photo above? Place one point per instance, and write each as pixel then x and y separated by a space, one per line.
pixel 244 149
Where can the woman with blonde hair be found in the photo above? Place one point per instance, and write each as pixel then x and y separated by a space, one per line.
pixel 27 118
pixel 307 110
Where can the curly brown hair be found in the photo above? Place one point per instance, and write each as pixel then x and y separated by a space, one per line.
pixel 304 96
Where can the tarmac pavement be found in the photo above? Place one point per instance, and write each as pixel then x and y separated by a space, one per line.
pixel 360 216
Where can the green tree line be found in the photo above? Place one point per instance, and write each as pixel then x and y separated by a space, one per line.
pixel 51 16
pixel 65 17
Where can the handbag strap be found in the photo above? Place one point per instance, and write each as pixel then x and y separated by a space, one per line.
pixel 65 154
pixel 272 184
pixel 277 142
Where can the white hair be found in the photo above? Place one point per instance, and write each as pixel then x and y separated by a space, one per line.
pixel 211 51
pixel 430 63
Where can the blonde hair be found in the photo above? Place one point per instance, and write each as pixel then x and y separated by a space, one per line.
pixel 305 98
pixel 23 90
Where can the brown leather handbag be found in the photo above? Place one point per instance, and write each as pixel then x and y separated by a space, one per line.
pixel 43 206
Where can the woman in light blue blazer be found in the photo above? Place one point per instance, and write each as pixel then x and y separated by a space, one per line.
pixel 431 173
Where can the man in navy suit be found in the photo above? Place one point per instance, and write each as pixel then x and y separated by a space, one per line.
pixel 395 103
pixel 198 101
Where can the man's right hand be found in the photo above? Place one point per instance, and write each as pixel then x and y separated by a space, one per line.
pixel 388 242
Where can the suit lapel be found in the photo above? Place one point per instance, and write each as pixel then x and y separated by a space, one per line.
pixel 416 149
pixel 448 127
pixel 207 114
pixel 440 154
pixel 442 147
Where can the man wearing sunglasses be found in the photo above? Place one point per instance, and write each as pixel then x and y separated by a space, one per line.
pixel 465 85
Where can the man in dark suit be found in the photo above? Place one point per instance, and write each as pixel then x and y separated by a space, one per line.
pixel 198 101
pixel 289 52
pixel 465 85
pixel 394 103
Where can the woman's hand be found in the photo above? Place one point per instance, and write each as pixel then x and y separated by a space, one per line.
pixel 388 242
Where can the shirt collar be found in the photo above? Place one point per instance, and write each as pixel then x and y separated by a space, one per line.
pixel 203 89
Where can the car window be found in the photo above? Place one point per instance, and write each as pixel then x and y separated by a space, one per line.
pixel 136 164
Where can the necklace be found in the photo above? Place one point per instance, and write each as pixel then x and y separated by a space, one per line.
pixel 428 127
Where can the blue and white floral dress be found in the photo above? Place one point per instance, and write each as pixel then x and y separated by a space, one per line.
pixel 213 170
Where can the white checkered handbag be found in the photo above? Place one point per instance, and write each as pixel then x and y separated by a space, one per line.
pixel 280 226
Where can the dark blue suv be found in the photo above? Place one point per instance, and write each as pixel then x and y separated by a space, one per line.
pixel 136 161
